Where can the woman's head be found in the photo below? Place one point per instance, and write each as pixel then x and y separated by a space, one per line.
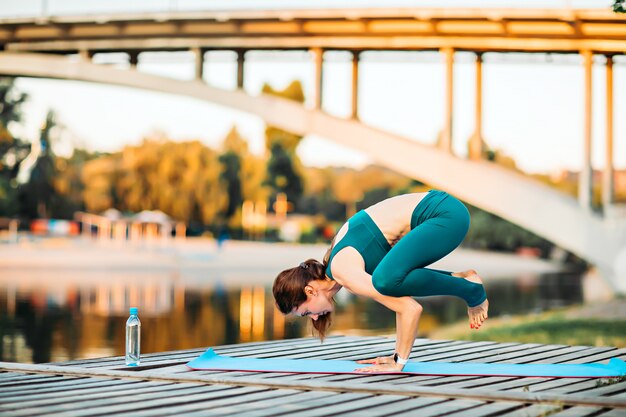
pixel 303 291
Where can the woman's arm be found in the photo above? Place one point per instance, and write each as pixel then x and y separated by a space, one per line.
pixel 348 270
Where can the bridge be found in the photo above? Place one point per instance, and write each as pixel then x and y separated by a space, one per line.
pixel 38 47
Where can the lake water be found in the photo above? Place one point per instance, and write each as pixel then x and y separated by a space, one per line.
pixel 57 314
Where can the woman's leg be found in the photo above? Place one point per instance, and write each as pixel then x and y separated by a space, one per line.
pixel 402 271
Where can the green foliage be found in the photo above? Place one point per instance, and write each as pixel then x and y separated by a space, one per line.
pixel 488 231
pixel 8 197
pixel 231 167
pixel 558 330
pixel 283 167
pixel 374 196
pixel 12 149
pixel 281 173
pixel 619 6
pixel 11 102
pixel 68 184
pixel 235 151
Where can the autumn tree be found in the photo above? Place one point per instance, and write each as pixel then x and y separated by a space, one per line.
pixel 98 177
pixel 180 179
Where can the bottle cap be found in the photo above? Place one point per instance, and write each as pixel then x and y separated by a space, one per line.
pixel 133 310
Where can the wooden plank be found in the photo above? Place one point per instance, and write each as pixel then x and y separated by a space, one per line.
pixel 180 393
pixel 37 382
pixel 97 387
pixel 490 409
pixel 293 407
pixel 590 355
pixel 75 385
pixel 578 412
pixel 443 409
pixel 13 376
pixel 261 405
pixel 344 406
pixel 330 408
pixel 65 395
pixel 26 379
pixel 415 405
pixel 303 401
pixel 603 390
pixel 535 410
pixel 618 353
pixel 613 413
pixel 221 406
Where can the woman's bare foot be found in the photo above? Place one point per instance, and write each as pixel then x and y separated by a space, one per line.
pixel 464 274
pixel 478 314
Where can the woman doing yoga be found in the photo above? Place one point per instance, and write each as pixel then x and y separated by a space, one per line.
pixel 382 253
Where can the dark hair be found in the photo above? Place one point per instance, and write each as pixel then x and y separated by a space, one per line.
pixel 289 292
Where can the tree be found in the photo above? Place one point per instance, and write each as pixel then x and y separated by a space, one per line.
pixel 282 175
pixel 12 150
pixel 619 6
pixel 98 177
pixel 36 196
pixel 235 149
pixel 180 179
pixel 284 167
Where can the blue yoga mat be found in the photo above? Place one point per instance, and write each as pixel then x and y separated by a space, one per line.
pixel 210 360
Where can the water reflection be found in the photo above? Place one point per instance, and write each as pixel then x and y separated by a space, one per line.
pixel 81 314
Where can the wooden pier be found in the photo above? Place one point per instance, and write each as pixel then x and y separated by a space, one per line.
pixel 162 385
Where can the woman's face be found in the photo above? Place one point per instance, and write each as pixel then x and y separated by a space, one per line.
pixel 317 303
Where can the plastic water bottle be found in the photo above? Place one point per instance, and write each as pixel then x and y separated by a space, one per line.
pixel 133 338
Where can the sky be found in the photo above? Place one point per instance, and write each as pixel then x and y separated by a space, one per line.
pixel 532 104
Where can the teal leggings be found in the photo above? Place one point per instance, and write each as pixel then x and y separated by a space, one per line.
pixel 438 225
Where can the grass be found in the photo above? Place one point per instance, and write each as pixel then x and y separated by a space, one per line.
pixel 547 328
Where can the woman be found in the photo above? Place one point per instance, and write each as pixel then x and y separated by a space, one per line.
pixel 382 253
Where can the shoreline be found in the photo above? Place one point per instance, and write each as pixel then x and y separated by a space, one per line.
pixel 203 253
pixel 199 262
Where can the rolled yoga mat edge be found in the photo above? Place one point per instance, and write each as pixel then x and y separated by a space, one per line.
pixel 210 360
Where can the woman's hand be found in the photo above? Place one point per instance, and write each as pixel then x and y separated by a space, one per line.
pixel 381 360
pixel 385 367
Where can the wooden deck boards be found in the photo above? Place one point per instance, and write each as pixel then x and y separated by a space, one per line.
pixel 162 385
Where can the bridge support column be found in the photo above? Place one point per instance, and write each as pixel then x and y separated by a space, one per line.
pixel 476 141
pixel 318 59
pixel 240 63
pixel 446 136
pixel 198 63
pixel 355 84
pixel 85 55
pixel 133 59
pixel 608 191
pixel 585 183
